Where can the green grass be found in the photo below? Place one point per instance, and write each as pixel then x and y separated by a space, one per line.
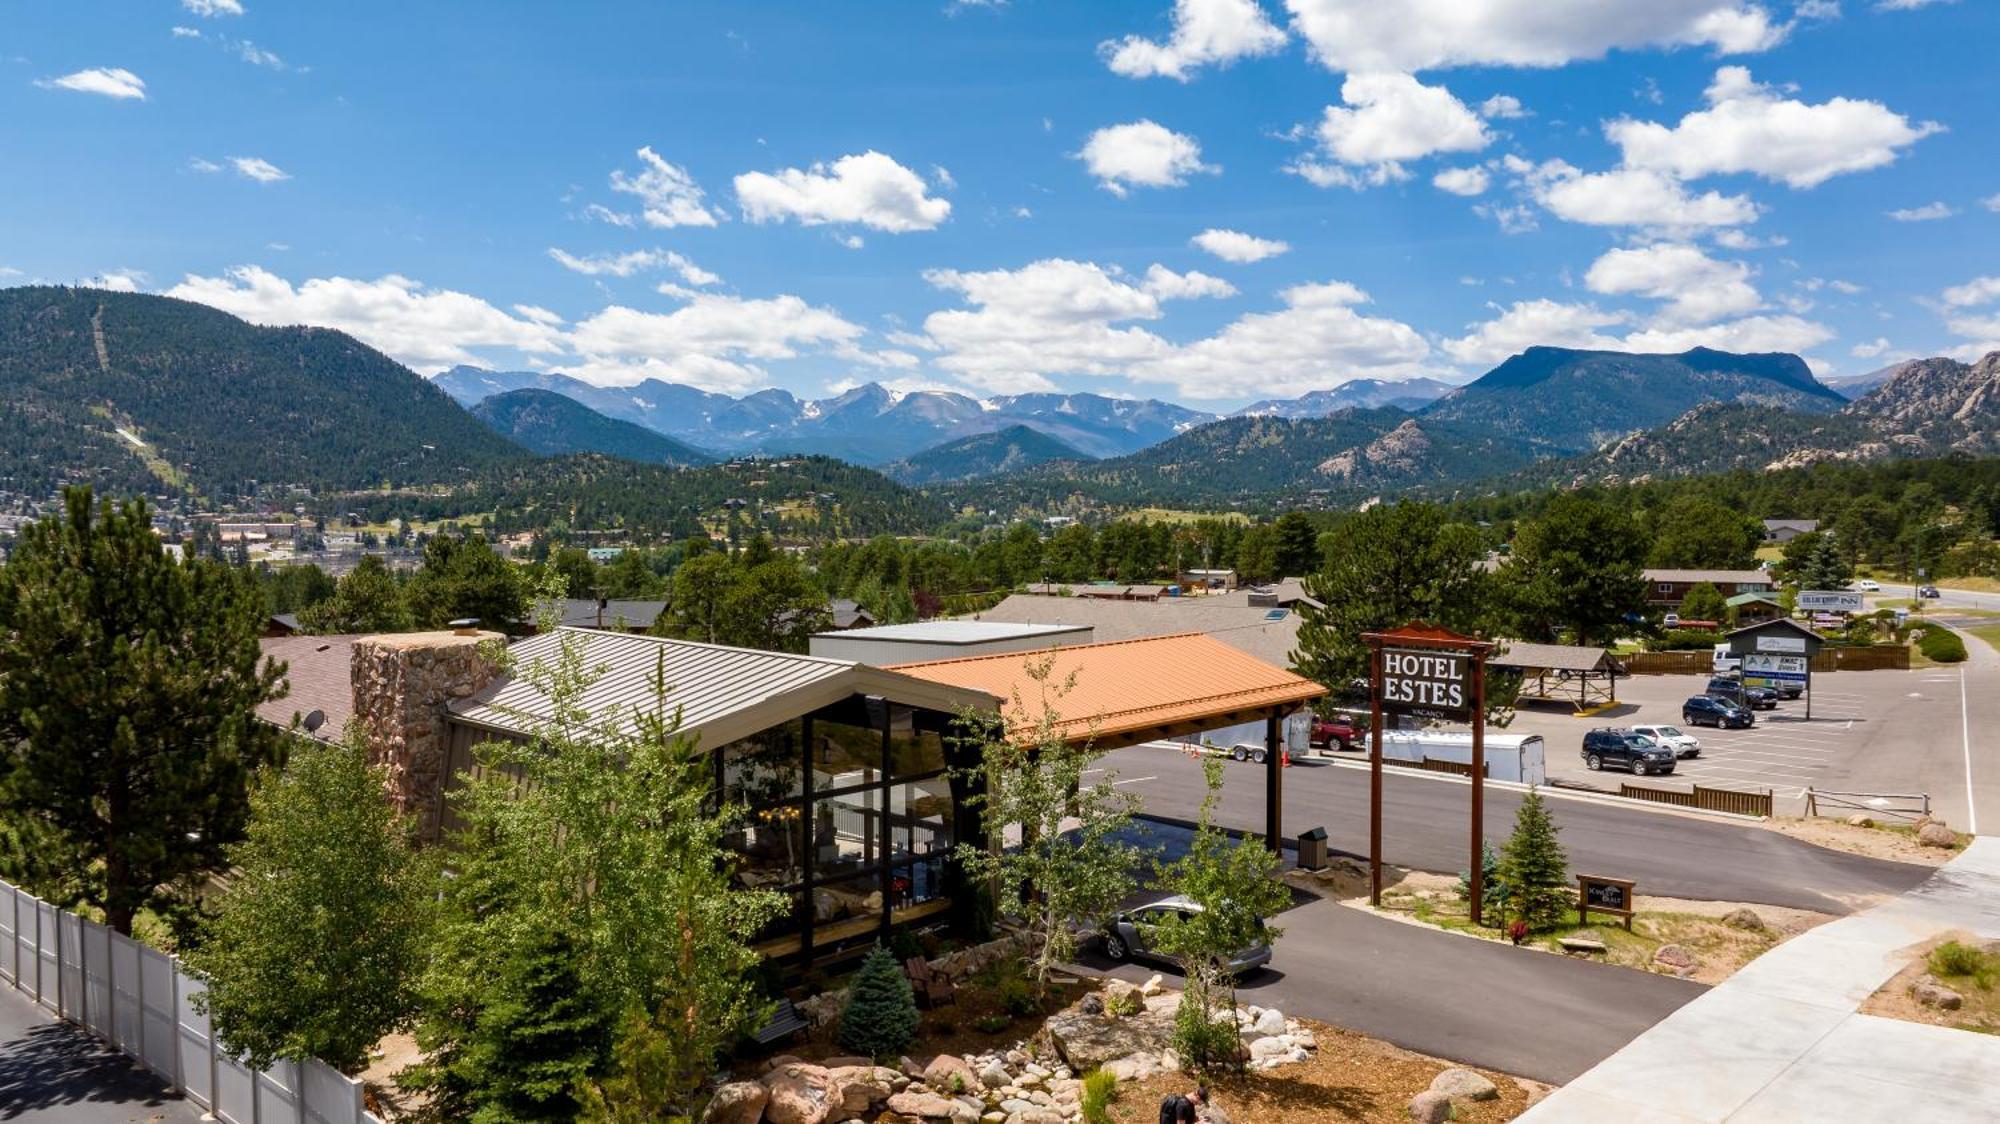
pixel 1987 632
pixel 1953 959
pixel 1099 1090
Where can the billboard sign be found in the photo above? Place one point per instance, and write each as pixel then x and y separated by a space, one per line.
pixel 1427 682
pixel 1763 669
pixel 1829 601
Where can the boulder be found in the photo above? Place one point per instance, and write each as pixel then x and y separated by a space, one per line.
pixel 1091 1004
pixel 948 1073
pixel 1265 1049
pixel 1859 820
pixel 1936 834
pixel 1581 944
pixel 1677 958
pixel 1153 986
pixel 1748 920
pixel 739 1102
pixel 1271 1021
pixel 1928 991
pixel 1132 1067
pixel 926 1106
pixel 1464 1085
pixel 846 1060
pixel 800 1094
pixel 1086 1042
pixel 858 1088
pixel 1430 1107
pixel 993 1075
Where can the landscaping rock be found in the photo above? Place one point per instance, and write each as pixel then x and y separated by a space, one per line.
pixel 1464 1085
pixel 1936 834
pixel 1748 920
pixel 993 1076
pixel 1153 986
pixel 1091 1004
pixel 1928 991
pixel 1677 958
pixel 1859 820
pixel 1581 944
pixel 1086 1041
pixel 1272 1021
pixel 1265 1049
pixel 926 1106
pixel 858 1088
pixel 800 1094
pixel 1430 1107
pixel 739 1102
pixel 948 1073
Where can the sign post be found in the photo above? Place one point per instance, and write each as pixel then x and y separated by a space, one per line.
pixel 1430 673
pixel 1605 895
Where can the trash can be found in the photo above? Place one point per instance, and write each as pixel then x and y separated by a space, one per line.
pixel 1312 849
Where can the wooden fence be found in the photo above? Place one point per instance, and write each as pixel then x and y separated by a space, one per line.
pixel 1433 765
pixel 1701 661
pixel 1708 799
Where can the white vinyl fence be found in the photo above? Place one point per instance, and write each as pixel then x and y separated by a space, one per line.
pixel 138 1000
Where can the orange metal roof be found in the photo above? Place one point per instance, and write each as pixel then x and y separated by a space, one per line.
pixel 1127 686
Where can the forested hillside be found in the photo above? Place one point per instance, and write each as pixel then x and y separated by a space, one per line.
pixel 552 424
pixel 142 393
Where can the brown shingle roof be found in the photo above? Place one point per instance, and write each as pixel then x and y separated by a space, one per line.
pixel 1130 686
pixel 320 672
pixel 1553 657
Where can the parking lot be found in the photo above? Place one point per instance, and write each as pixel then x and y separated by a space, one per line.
pixel 1871 731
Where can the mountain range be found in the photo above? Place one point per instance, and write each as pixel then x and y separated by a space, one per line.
pixel 1410 394
pixel 552 424
pixel 981 455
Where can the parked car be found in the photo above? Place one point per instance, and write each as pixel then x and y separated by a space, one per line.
pixel 1928 592
pixel 1742 694
pixel 1787 690
pixel 1129 935
pixel 1724 661
pixel 1683 744
pixel 1671 620
pixel 1868 585
pixel 1707 710
pixel 1625 749
pixel 1337 732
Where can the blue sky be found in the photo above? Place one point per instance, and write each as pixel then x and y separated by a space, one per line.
pixel 1003 197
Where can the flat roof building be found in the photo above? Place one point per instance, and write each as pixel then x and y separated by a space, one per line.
pixel 889 644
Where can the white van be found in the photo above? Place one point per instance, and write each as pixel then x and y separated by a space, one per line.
pixel 1724 661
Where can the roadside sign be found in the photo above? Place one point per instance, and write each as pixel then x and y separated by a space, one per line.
pixel 1829 601
pixel 1429 683
pixel 1781 644
pixel 1774 669
pixel 1604 895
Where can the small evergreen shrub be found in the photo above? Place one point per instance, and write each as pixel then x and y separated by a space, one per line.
pixel 1535 868
pixel 880 1019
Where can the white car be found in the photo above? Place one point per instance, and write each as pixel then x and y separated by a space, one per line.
pixel 1683 744
pixel 1868 585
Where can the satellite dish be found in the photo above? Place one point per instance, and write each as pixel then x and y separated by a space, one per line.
pixel 314 721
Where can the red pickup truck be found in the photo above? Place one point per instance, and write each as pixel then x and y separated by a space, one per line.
pixel 1336 732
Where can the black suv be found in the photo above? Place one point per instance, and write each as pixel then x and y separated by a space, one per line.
pixel 1623 749
pixel 1749 698
pixel 1707 710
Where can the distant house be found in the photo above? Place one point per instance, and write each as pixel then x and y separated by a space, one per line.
pixel 615 615
pixel 1753 607
pixel 1668 588
pixel 1208 579
pixel 847 613
pixel 1785 530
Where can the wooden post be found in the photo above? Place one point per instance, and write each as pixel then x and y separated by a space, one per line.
pixel 1274 792
pixel 1478 783
pixel 1375 776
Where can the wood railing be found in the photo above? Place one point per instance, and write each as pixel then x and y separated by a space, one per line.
pixel 1732 800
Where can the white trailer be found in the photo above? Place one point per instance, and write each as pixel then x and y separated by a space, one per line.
pixel 1509 757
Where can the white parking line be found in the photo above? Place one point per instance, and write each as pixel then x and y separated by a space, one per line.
pixel 1965 734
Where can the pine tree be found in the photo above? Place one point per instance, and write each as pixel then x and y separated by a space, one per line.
pixel 880 1019
pixel 1534 867
pixel 129 683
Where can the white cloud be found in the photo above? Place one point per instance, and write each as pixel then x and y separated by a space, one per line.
pixel 213 8
pixel 1053 316
pixel 259 169
pixel 1991 203
pixel 1236 246
pixel 670 197
pixel 539 314
pixel 1751 334
pixel 1316 340
pixel 1699 289
pixel 1633 197
pixel 425 328
pixel 119 280
pixel 1141 154
pixel 1749 128
pixel 1872 350
pixel 1502 107
pixel 1907 5
pixel 705 341
pixel 1462 181
pixel 204 166
pixel 1387 119
pixel 868 188
pixel 604 214
pixel 1167 285
pixel 257 56
pixel 635 261
pixel 1739 240
pixel 1369 35
pixel 109 81
pixel 1979 290
pixel 944 178
pixel 1205 32
pixel 187 33
pixel 1929 212
pixel 1848 287
pixel 1532 323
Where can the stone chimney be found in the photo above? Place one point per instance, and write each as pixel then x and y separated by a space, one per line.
pixel 402 684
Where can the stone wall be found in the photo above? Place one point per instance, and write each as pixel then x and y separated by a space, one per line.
pixel 402 684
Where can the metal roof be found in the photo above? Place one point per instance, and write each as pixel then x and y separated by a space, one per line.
pixel 1128 687
pixel 722 693
pixel 582 612
pixel 956 631
pixel 1736 577
pixel 1228 618
pixel 1554 657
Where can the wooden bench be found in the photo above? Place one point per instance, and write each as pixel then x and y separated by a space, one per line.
pixel 785 1022
pixel 932 987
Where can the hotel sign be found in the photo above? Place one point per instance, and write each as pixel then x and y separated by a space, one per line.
pixel 1427 682
pixel 1829 601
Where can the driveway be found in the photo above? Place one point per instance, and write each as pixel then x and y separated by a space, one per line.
pixel 1468 1000
pixel 51 1071
pixel 1425 818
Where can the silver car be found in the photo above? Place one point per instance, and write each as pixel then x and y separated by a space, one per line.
pixel 1128 936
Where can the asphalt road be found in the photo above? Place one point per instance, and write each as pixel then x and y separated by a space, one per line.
pixel 1527 1013
pixel 51 1071
pixel 1425 826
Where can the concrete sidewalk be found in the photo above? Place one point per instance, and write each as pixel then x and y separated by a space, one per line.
pixel 1782 1039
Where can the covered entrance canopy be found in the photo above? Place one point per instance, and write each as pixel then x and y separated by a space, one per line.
pixel 1583 677
pixel 1132 691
